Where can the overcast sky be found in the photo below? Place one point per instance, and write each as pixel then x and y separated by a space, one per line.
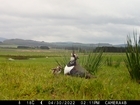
pixel 85 21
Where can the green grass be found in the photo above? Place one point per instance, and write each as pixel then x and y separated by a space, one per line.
pixel 32 79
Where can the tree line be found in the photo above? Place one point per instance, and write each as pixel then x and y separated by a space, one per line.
pixel 104 49
pixel 32 47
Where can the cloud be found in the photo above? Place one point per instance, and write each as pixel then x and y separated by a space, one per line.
pixel 85 21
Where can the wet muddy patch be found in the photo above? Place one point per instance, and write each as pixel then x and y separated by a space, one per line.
pixel 20 57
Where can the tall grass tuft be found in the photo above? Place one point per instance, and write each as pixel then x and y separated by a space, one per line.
pixel 133 57
pixel 109 61
pixel 112 63
pixel 92 61
pixel 117 63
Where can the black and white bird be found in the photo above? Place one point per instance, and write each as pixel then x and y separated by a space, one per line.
pixel 74 69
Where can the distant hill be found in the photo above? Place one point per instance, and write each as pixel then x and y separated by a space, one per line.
pixel 2 39
pixel 62 45
pixel 24 42
pixel 120 45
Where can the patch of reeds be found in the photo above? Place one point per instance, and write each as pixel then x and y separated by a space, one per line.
pixel 133 57
pixel 92 61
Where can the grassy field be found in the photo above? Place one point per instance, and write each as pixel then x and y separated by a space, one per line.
pixel 31 78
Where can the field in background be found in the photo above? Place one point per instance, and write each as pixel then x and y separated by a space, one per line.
pixel 31 78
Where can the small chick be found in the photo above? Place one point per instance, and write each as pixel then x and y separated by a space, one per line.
pixel 57 70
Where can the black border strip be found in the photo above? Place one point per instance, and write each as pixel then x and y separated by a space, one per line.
pixel 70 102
